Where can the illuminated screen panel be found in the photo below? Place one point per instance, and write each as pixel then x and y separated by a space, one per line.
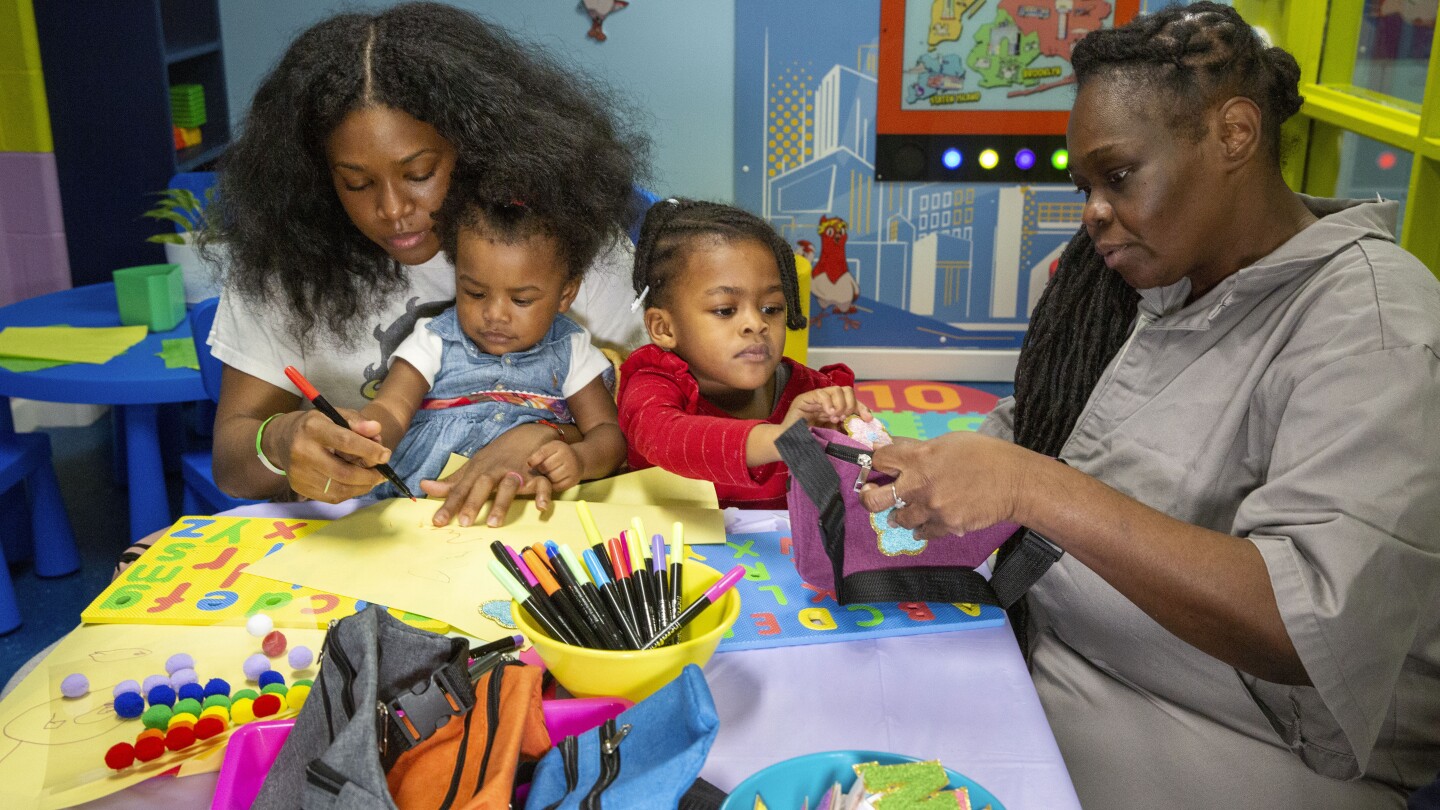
pixel 980 90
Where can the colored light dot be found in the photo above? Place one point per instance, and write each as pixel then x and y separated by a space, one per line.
pixel 1386 160
pixel 1060 160
pixel 989 159
pixel 951 158
pixel 1024 159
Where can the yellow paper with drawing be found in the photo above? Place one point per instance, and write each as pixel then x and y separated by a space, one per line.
pixel 52 749
pixel 392 554
pixel 648 486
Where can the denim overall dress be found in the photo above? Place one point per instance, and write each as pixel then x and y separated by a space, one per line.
pixel 477 396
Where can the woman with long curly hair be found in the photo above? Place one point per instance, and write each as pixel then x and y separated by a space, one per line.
pixel 1243 384
pixel 328 203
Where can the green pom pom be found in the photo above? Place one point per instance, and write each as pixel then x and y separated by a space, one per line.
pixel 189 705
pixel 304 682
pixel 245 693
pixel 157 716
pixel 275 689
pixel 217 700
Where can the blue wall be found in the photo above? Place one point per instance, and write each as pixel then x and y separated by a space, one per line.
pixel 674 61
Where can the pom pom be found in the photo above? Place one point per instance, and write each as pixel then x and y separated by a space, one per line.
pixel 157 716
pixel 126 686
pixel 275 689
pixel 256 664
pixel 188 705
pixel 75 686
pixel 153 681
pixel 181 737
pixel 267 678
pixel 162 695
pixel 273 643
pixel 181 719
pixel 301 657
pixel 129 704
pixel 244 693
pixel 259 625
pixel 267 704
pixel 149 748
pixel 304 682
pixel 242 710
pixel 191 691
pixel 208 727
pixel 121 755
pixel 217 700
pixel 296 697
pixel 179 661
pixel 216 686
pixel 184 676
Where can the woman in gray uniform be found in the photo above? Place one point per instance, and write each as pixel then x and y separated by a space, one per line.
pixel 1243 384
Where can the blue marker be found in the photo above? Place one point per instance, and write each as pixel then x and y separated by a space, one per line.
pixel 607 587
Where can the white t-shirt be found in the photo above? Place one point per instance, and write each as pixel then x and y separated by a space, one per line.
pixel 258 342
pixel 424 349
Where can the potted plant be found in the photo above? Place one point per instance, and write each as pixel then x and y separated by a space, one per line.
pixel 185 210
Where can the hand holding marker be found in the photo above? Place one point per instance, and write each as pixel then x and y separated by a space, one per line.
pixel 578 604
pixel 323 406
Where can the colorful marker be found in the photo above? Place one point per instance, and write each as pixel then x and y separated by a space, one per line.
pixel 607 590
pixel 710 597
pixel 526 601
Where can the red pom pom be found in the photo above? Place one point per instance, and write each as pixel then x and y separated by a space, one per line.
pixel 208 727
pixel 273 644
pixel 267 704
pixel 149 748
pixel 180 737
pixel 120 756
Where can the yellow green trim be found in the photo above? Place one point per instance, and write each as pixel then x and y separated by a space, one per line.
pixel 1342 41
pixel 1385 123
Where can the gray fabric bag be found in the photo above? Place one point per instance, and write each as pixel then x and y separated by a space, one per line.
pixel 374 670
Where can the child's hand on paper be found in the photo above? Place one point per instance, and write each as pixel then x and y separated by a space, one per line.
pixel 825 406
pixel 558 462
pixel 498 470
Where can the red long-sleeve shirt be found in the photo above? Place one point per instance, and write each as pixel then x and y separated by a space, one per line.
pixel 668 424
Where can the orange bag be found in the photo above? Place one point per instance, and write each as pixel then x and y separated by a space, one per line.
pixel 470 762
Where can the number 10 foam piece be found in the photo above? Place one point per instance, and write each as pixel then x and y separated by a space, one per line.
pixel 392 554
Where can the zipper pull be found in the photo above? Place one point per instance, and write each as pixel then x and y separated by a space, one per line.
pixel 610 744
pixel 864 461
pixel 325 642
pixel 382 727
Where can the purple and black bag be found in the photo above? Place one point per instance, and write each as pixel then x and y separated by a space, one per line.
pixel 858 556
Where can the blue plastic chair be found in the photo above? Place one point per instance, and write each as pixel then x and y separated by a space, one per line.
pixel 642 198
pixel 202 496
pixel 25 460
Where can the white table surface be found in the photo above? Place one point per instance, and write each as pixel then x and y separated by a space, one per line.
pixel 962 697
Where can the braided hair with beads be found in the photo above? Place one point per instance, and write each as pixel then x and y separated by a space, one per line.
pixel 1192 58
pixel 676 226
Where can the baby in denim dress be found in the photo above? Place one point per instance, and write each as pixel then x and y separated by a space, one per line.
pixel 503 355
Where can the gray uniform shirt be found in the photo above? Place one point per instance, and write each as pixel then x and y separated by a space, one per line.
pixel 1296 404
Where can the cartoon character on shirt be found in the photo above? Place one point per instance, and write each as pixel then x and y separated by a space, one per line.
pixel 390 338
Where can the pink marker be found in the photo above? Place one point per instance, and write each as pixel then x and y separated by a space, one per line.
pixel 710 597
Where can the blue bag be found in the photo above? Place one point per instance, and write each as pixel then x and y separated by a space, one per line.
pixel 648 757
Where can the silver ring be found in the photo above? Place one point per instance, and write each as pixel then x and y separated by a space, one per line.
pixel 899 501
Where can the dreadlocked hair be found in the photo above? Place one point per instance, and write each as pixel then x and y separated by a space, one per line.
pixel 523 127
pixel 672 227
pixel 1199 55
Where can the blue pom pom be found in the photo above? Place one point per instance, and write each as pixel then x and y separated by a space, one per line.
pixel 194 691
pixel 129 704
pixel 217 686
pixel 267 678
pixel 162 695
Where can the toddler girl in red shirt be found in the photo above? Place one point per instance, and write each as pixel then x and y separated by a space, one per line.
pixel 708 397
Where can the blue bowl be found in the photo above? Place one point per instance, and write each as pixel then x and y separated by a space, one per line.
pixel 786 785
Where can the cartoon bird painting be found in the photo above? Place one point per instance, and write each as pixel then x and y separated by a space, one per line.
pixel 834 288
pixel 598 11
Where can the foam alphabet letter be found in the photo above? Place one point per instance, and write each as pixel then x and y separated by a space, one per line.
pixel 876 617
pixel 217 600
pixel 816 619
pixel 766 624
pixel 918 611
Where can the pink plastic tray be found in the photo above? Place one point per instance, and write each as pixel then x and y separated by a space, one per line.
pixel 253 747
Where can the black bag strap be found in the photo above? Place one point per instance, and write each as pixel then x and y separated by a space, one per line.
pixel 410 717
pixel 811 469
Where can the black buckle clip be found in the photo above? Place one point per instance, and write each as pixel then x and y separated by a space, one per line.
pixel 421 712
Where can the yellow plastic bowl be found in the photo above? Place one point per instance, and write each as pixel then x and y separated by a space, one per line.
pixel 636 674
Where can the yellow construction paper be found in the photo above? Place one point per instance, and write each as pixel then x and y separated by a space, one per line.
pixel 70 344
pixel 391 553
pixel 52 749
pixel 649 486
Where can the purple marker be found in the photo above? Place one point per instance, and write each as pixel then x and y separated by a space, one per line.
pixel 710 597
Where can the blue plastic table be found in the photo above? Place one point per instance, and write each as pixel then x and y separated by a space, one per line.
pixel 135 383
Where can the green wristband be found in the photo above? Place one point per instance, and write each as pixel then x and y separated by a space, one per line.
pixel 261 453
